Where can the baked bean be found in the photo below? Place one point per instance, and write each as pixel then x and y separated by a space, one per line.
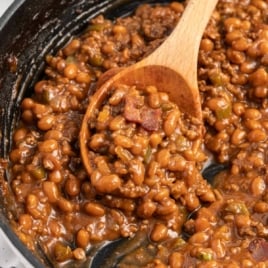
pixel 97 141
pixel 108 183
pixel 83 77
pixel 65 205
pixel 137 171
pixel 40 110
pixel 192 202
pixel 208 196
pixel 159 264
pixel 140 145
pixel 171 122
pixel 199 238
pixel 178 189
pixel 206 45
pixel 151 90
pixel 102 165
pixel 27 116
pixel 232 23
pixel 253 124
pixel 163 157
pixel 48 146
pixel 20 134
pixel 252 113
pixel 51 191
pixel 176 260
pixel 247 263
pixel 146 209
pixel 159 232
pixel 27 104
pixel 79 254
pixel 240 44
pixel 259 4
pixel 123 141
pixel 256 135
pixel 218 247
pixel 162 194
pixel 233 35
pixel 117 96
pixel 261 207
pixel 26 221
pixel 55 176
pixel 242 221
pixel 163 96
pixel 53 134
pixel 72 47
pixel 216 104
pixel 154 100
pixel 82 238
pixel 166 206
pixel 32 201
pixel 46 122
pixel 55 228
pixel 177 163
pixel 238 136
pixel 94 209
pixel 201 224
pixel 261 91
pixel 108 48
pixel 259 77
pixel 235 55
pixel 263 47
pixel 152 168
pixel 70 71
pixel 17 155
pixel 248 67
pixel 258 186
pixel 119 29
pixel 178 7
pixel 155 139
pixel 238 108
pixel 72 186
pixel 117 123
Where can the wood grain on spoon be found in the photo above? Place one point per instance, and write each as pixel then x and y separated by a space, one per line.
pixel 172 68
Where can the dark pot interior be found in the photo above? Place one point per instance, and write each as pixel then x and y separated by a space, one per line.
pixel 29 30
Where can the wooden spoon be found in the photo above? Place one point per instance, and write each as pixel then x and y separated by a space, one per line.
pixel 172 68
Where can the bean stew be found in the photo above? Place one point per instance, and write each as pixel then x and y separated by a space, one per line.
pixel 147 156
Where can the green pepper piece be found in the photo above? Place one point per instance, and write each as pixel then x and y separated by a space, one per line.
pixel 237 207
pixel 70 59
pixel 224 112
pixel 96 60
pixel 98 27
pixel 182 143
pixel 148 155
pixel 217 79
pixel 205 256
pixel 38 173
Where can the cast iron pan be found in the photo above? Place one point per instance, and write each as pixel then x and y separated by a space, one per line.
pixel 30 30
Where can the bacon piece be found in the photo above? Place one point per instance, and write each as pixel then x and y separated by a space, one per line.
pixel 134 112
pixel 150 118
pixel 259 249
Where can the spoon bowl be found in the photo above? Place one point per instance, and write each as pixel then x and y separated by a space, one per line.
pixel 172 68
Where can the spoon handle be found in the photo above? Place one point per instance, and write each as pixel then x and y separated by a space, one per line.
pixel 180 51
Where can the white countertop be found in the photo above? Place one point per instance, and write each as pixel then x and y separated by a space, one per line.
pixel 4 4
